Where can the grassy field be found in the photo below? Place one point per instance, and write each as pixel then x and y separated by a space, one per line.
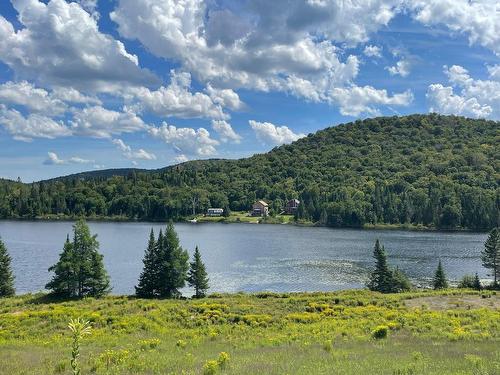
pixel 243 217
pixel 450 332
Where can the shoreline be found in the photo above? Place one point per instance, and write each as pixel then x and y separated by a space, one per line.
pixel 222 220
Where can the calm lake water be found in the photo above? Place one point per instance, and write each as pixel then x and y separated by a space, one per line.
pixel 246 257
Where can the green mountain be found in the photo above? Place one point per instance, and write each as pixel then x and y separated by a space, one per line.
pixel 438 171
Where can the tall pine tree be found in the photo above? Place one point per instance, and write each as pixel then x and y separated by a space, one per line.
pixel 197 275
pixel 173 261
pixel 491 255
pixel 381 277
pixel 6 276
pixel 147 286
pixel 80 270
pixel 64 283
pixel 439 281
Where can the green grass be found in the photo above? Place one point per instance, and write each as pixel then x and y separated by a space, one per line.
pixel 243 217
pixel 266 333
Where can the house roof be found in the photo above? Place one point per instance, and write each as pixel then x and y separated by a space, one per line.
pixel 294 201
pixel 262 203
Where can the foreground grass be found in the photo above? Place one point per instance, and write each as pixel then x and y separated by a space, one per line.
pixel 320 333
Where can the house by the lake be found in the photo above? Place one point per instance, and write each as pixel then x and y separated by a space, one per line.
pixel 260 208
pixel 291 206
pixel 215 212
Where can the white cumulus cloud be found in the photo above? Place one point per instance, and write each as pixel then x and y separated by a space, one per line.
pixel 33 126
pixel 100 122
pixel 53 159
pixel 133 154
pixel 225 131
pixel 466 96
pixel 186 140
pixel 373 51
pixel 269 133
pixel 59 43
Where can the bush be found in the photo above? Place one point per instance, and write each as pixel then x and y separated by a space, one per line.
pixel 380 332
pixel 210 367
pixel 223 359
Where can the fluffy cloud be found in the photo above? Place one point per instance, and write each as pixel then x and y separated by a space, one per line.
pixel 480 20
pixel 186 140
pixel 269 133
pixel 356 100
pixel 53 159
pixel 181 158
pixel 60 44
pixel 225 97
pixel 35 99
pixel 401 68
pixel 225 131
pixel 39 100
pixel 177 100
pixel 373 51
pixel 268 46
pixel 33 126
pixel 474 97
pixel 131 154
pixel 100 122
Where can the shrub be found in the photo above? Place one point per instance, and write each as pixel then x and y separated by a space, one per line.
pixel 210 367
pixel 223 359
pixel 380 332
pixel 466 282
pixel 149 344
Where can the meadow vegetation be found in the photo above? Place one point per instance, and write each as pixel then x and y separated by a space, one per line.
pixel 347 332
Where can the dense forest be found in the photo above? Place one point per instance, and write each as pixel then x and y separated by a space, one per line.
pixel 433 170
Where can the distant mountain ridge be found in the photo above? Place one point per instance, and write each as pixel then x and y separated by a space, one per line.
pixel 430 170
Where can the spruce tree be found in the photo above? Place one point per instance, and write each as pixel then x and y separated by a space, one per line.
pixel 173 264
pixel 197 275
pixel 64 283
pixel 439 281
pixel 491 255
pixel 381 277
pixel 80 270
pixel 6 276
pixel 147 285
pixel 477 283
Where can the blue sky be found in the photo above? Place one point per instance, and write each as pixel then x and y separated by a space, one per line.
pixel 94 84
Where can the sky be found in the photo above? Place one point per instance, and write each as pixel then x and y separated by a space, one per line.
pixel 97 84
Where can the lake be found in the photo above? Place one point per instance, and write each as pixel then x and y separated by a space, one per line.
pixel 250 257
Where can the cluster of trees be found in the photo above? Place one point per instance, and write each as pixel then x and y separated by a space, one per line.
pixel 166 268
pixel 80 271
pixel 387 280
pixel 432 170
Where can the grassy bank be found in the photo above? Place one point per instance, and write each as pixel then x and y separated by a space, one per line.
pixel 450 332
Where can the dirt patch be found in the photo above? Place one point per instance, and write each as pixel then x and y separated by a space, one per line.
pixel 454 302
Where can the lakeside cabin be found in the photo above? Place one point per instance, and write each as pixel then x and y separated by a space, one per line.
pixel 215 212
pixel 260 208
pixel 291 206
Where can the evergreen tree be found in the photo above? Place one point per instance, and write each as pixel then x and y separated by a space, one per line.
pixel 173 261
pixel 381 277
pixel 147 286
pixel 6 276
pixel 491 255
pixel 400 282
pixel 477 283
pixel 197 275
pixel 80 270
pixel 64 283
pixel 439 281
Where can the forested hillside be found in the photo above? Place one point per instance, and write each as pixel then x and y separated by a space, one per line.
pixel 439 171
